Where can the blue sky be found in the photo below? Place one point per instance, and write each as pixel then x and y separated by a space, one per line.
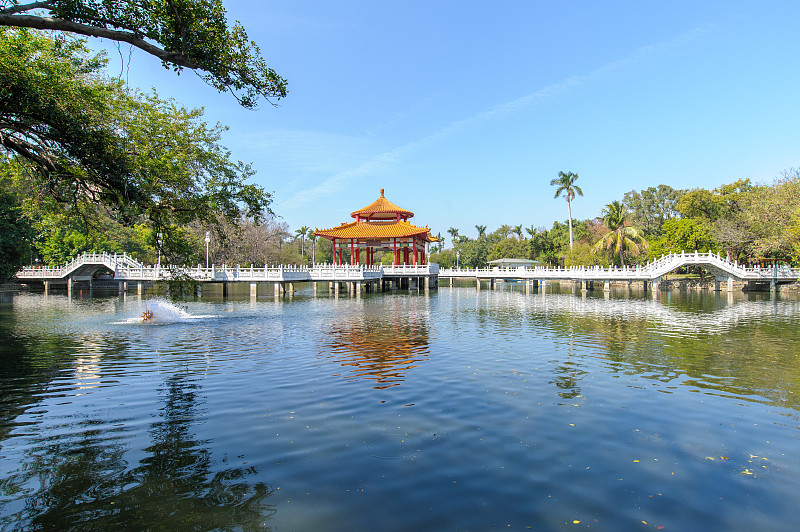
pixel 464 111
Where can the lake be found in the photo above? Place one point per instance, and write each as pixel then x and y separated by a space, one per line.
pixel 456 410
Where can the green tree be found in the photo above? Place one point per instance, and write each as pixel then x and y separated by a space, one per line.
pixel 473 253
pixel 517 231
pixel 301 234
pixel 684 234
pixel 503 232
pixel 565 183
pixel 481 231
pixel 453 235
pixel 768 213
pixel 77 139
pixel 583 255
pixel 16 235
pixel 191 34
pixel 651 207
pixel 510 248
pixel 621 238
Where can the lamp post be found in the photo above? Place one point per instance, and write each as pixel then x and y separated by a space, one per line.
pixel 158 243
pixel 208 239
pixel 458 255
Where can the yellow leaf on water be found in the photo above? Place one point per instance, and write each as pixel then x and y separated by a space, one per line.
pixel 575 522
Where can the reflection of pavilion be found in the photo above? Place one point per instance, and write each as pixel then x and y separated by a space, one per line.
pixel 377 350
pixel 380 226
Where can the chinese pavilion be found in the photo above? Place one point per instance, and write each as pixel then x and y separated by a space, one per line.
pixel 380 226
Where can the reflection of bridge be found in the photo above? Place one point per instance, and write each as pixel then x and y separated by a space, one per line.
pixel 652 273
pixel 124 269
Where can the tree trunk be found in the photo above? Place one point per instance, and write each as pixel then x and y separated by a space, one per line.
pixel 569 214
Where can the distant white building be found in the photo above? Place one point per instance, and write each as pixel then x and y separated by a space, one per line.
pixel 512 263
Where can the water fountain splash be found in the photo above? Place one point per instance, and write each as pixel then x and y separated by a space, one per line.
pixel 160 312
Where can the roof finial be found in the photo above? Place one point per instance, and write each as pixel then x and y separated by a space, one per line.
pixel 381 192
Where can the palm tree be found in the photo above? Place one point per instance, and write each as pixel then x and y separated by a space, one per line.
pixel 454 234
pixel 621 238
pixel 531 230
pixel 566 184
pixel 517 231
pixel 481 231
pixel 311 236
pixel 301 234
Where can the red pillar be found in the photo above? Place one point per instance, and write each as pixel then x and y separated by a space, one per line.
pixel 334 251
pixel 416 252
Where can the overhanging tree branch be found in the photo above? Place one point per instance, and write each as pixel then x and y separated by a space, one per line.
pixel 55 24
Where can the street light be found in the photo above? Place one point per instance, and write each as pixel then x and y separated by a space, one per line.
pixel 458 255
pixel 208 239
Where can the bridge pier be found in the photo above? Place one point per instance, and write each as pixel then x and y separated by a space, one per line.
pixel 607 285
pixel 139 287
pixel 46 286
pixel 69 286
pixel 654 285
pixel 253 290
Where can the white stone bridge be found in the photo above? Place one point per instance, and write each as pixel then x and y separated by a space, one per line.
pixel 124 269
pixel 722 269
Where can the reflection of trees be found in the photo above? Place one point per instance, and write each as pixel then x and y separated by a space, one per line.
pixel 742 355
pixel 383 349
pixel 85 483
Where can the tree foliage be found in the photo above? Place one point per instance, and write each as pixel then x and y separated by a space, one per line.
pixel 650 208
pixel 16 235
pixel 565 184
pixel 79 141
pixel 191 34
pixel 622 238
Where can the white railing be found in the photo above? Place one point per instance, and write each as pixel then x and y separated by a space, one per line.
pixel 126 268
pixel 649 272
pixel 111 260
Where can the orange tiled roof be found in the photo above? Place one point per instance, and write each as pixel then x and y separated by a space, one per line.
pixel 381 209
pixel 372 231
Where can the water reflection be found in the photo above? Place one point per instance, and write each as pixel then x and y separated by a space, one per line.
pixel 77 468
pixel 382 347
pixel 736 349
pixel 82 478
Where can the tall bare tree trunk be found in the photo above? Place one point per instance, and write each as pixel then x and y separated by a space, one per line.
pixel 569 214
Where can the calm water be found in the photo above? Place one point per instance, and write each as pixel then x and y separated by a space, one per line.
pixel 461 410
